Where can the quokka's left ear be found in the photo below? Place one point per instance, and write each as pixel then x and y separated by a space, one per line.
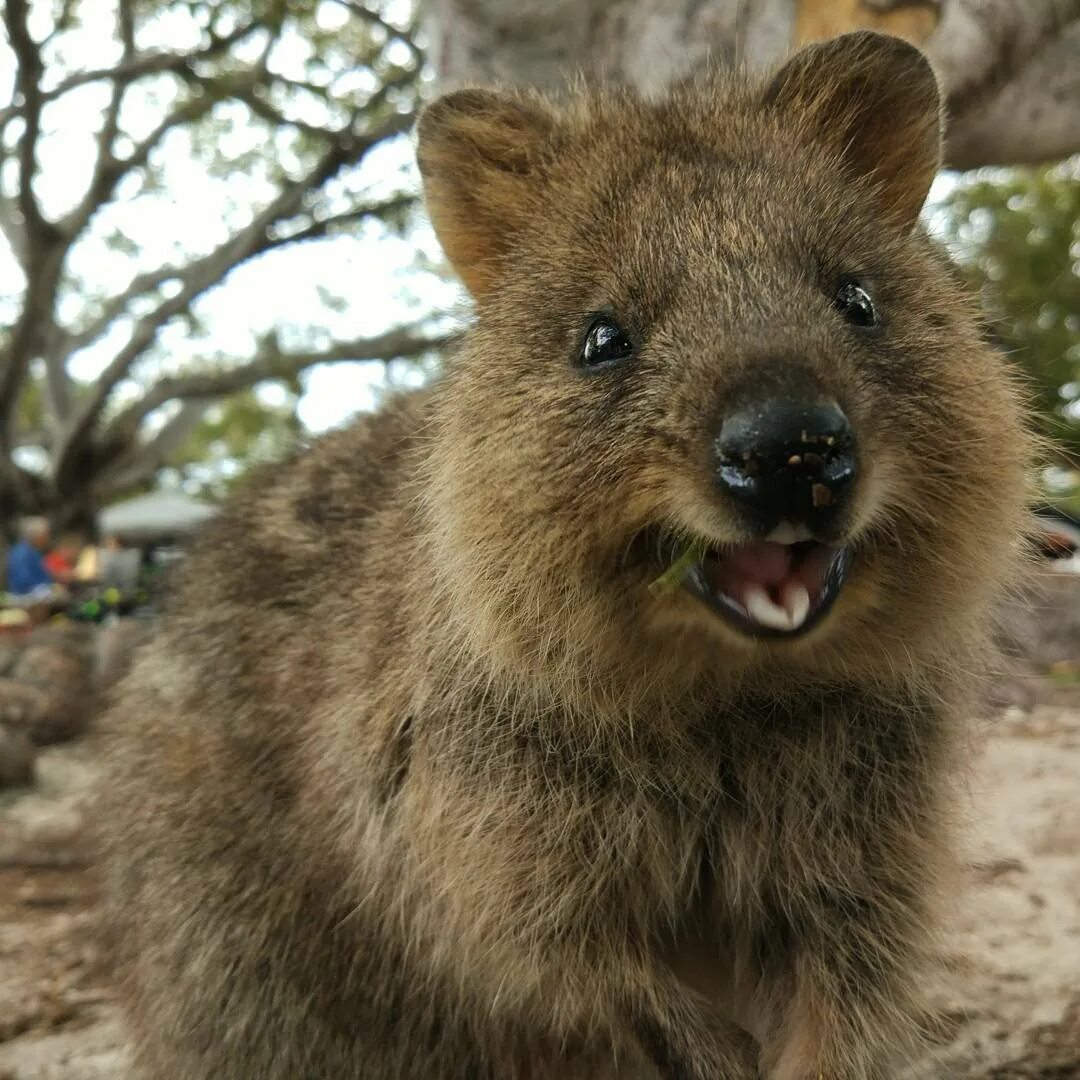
pixel 876 100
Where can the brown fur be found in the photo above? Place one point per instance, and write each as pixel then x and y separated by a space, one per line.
pixel 418 780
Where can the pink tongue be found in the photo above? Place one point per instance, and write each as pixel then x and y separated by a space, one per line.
pixel 771 567
pixel 760 561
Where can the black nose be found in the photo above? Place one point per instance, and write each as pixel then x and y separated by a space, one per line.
pixel 787 461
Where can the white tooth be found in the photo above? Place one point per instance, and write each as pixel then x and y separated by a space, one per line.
pixel 760 608
pixel 784 533
pixel 797 603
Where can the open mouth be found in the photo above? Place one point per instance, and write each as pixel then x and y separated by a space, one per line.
pixel 765 588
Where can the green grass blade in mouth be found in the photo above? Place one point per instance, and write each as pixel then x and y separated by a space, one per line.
pixel 676 573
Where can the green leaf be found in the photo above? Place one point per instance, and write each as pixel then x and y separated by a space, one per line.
pixel 675 574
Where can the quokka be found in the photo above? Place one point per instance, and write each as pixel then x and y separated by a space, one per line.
pixel 589 712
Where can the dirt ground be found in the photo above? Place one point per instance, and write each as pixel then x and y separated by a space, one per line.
pixel 57 1019
pixel 1010 1012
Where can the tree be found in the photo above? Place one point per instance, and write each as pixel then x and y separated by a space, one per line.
pixel 290 99
pixel 1016 234
pixel 236 433
pixel 1008 68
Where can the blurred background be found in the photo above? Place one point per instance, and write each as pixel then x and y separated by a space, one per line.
pixel 212 248
pixel 211 242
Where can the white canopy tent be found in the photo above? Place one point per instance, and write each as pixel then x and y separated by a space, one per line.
pixel 161 515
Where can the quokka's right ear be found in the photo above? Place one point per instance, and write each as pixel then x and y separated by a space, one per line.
pixel 876 100
pixel 479 153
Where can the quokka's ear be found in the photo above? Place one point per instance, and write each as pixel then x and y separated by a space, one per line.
pixel 876 100
pixel 479 153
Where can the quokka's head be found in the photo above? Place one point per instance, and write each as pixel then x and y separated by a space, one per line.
pixel 713 347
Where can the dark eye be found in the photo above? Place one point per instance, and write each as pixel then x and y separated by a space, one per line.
pixel 854 303
pixel 606 343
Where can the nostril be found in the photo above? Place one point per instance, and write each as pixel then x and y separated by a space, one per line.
pixel 786 459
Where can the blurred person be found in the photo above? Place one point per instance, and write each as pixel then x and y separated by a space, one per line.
pixel 26 569
pixel 118 566
pixel 87 567
pixel 62 560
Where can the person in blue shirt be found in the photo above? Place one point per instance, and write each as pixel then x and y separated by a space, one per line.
pixel 26 570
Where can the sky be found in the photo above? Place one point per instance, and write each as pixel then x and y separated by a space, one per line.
pixel 374 275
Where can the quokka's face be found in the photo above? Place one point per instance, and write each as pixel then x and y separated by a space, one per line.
pixel 717 381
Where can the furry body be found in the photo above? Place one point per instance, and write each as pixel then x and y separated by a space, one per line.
pixel 419 780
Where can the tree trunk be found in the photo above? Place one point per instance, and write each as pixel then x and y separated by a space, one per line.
pixel 1011 70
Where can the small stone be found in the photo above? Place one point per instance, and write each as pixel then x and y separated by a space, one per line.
pixel 45 714
pixel 16 758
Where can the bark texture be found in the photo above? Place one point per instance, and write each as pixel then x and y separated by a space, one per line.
pixel 1011 71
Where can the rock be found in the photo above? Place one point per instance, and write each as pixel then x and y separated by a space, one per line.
pixel 1042 624
pixel 116 645
pixel 16 758
pixel 95 1048
pixel 44 715
pixel 47 693
pixel 9 653
pixel 22 706
pixel 66 635
pixel 53 667
pixel 1038 634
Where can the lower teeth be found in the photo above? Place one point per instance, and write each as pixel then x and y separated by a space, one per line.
pixel 789 615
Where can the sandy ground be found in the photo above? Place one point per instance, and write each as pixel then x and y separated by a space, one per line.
pixel 1011 1011
pixel 1012 1008
pixel 57 1019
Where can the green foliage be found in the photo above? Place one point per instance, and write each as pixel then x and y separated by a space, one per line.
pixel 676 573
pixel 1016 235
pixel 238 433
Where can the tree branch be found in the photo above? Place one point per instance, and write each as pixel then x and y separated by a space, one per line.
pixel 101 183
pixel 1034 117
pixel 58 383
pixel 141 284
pixel 981 45
pixel 35 437
pixel 98 190
pixel 35 324
pixel 403 34
pixel 150 63
pixel 11 220
pixel 22 493
pixel 11 227
pixel 28 89
pixel 63 20
pixel 43 245
pixel 262 108
pixel 387 87
pixel 202 274
pixel 270 362
pixel 320 227
pixel 113 308
pixel 113 169
pixel 143 461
